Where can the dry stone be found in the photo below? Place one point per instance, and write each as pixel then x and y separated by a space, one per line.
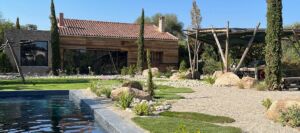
pixel 155 72
pixel 217 74
pixel 227 79
pixel 139 94
pixel 279 106
pixel 248 82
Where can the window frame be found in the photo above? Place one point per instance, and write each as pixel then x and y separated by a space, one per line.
pixel 32 42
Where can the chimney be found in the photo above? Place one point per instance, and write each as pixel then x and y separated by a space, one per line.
pixel 61 20
pixel 162 24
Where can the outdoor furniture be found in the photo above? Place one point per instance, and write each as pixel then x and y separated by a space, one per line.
pixel 290 82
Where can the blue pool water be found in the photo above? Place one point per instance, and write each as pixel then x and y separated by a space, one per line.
pixel 45 113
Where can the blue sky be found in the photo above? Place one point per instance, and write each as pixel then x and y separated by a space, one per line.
pixel 240 13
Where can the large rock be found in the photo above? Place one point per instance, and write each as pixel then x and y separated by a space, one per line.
pixel 227 79
pixel 217 74
pixel 155 72
pixel 175 76
pixel 139 94
pixel 185 75
pixel 248 82
pixel 279 106
pixel 133 84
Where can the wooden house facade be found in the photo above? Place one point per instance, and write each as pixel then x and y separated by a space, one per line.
pixel 115 44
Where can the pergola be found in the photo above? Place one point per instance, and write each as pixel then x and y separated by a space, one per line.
pixel 227 37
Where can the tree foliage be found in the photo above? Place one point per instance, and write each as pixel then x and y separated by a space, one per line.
pixel 150 83
pixel 196 16
pixel 273 41
pixel 140 59
pixel 5 65
pixel 173 25
pixel 4 25
pixel 30 27
pixel 54 41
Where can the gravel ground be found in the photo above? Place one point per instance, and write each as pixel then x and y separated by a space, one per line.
pixel 242 105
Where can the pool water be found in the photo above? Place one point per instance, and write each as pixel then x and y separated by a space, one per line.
pixel 52 113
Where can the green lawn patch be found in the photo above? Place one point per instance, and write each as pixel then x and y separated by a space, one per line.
pixel 163 124
pixel 49 84
pixel 198 116
pixel 169 92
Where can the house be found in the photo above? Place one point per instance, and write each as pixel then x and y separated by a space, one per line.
pixel 94 46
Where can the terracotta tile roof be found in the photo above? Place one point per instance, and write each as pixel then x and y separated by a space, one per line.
pixel 89 28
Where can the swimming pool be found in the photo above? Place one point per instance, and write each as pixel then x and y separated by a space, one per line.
pixel 48 112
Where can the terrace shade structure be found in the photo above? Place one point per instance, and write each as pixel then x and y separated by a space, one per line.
pixel 113 45
pixel 224 38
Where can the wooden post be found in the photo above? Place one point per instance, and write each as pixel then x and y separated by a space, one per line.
pixel 247 49
pixel 219 45
pixel 226 48
pixel 112 60
pixel 16 61
pixel 189 50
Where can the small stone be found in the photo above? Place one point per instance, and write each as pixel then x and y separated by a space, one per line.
pixel 128 110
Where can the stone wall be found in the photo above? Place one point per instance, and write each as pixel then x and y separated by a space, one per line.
pixel 15 36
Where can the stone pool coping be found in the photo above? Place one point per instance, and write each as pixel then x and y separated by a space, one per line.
pixel 109 120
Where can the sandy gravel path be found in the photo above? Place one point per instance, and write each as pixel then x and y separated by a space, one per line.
pixel 242 105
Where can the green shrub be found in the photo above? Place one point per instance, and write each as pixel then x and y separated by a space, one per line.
pixel 98 92
pixel 211 65
pixel 99 89
pixel 94 86
pixel 167 74
pixel 124 71
pixel 183 66
pixel 261 86
pixel 125 100
pixel 5 65
pixel 131 70
pixel 106 91
pixel 291 117
pixel 142 109
pixel 210 80
pixel 266 103
pixel 133 84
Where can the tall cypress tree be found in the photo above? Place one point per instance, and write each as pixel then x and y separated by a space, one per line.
pixel 18 23
pixel 150 83
pixel 54 41
pixel 140 57
pixel 273 44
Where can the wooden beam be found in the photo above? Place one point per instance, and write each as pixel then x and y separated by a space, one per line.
pixel 189 50
pixel 226 48
pixel 247 49
pixel 219 46
pixel 16 61
pixel 113 63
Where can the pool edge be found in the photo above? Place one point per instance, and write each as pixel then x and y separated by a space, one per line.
pixel 109 120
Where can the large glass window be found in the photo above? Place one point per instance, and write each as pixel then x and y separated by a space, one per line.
pixel 34 53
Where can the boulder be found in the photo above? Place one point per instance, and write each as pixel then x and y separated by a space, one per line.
pixel 217 74
pixel 185 75
pixel 227 79
pixel 273 113
pixel 139 94
pixel 155 72
pixel 133 84
pixel 248 82
pixel 175 76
